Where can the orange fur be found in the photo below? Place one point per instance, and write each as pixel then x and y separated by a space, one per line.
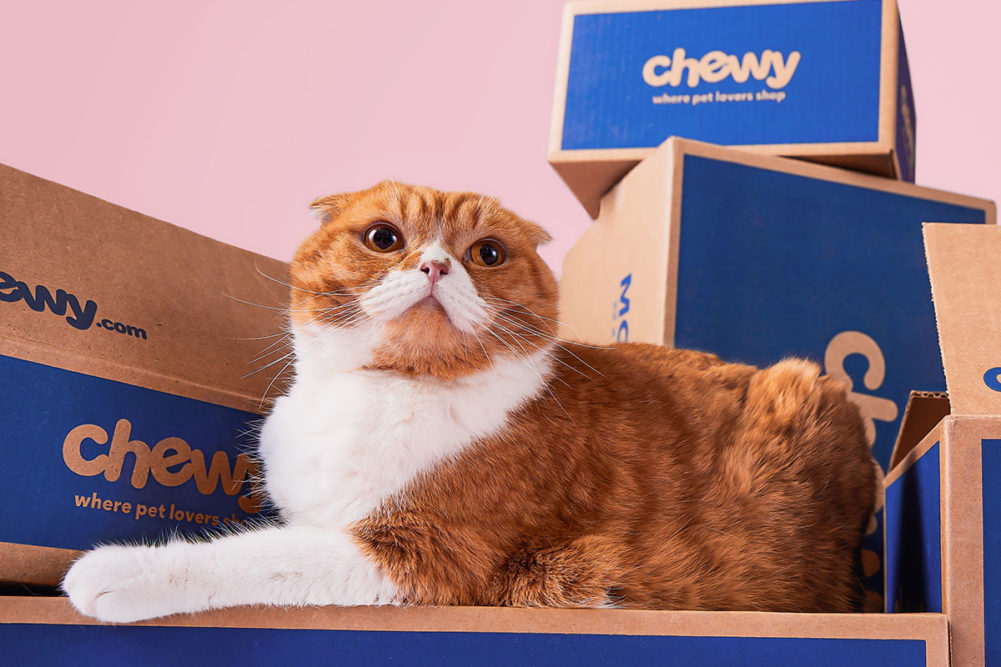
pixel 643 477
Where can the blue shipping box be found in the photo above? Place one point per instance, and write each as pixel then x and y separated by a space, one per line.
pixel 756 258
pixel 824 80
pixel 47 632
pixel 943 500
pixel 127 351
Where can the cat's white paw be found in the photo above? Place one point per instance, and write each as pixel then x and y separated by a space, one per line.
pixel 121 584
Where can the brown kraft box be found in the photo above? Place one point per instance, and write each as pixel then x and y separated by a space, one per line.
pixel 943 502
pixel 127 354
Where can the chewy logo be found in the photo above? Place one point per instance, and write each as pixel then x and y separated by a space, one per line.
pixel 992 378
pixel 843 346
pixel 62 304
pixel 620 325
pixel 171 461
pixel 771 67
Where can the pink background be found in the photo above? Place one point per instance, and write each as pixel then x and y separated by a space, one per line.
pixel 229 117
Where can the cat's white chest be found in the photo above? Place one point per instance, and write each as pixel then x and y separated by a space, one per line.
pixel 335 447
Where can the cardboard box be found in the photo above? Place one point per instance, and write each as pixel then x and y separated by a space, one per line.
pixel 943 502
pixel 47 631
pixel 125 349
pixel 756 258
pixel 822 80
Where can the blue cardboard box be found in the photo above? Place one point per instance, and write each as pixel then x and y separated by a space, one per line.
pixel 943 502
pixel 48 632
pixel 127 351
pixel 756 258
pixel 823 80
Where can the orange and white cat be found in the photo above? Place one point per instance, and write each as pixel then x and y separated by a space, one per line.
pixel 440 446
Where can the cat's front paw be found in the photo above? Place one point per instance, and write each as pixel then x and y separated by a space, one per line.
pixel 120 584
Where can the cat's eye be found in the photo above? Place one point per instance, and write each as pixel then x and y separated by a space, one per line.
pixel 487 253
pixel 383 237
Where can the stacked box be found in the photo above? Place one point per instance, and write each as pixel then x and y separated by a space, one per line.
pixel 127 350
pixel 943 506
pixel 756 258
pixel 821 80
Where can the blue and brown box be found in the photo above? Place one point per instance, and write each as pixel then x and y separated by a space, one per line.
pixel 756 258
pixel 127 355
pixel 47 631
pixel 943 499
pixel 823 80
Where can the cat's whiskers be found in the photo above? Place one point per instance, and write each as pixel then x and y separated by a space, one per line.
pixel 269 364
pixel 348 291
pixel 284 340
pixel 280 337
pixel 267 352
pixel 261 305
pixel 525 328
pixel 515 304
pixel 518 338
pixel 520 332
pixel 543 381
pixel 553 340
pixel 485 355
pixel 282 282
pixel 283 344
pixel 264 397
pixel 537 346
pixel 465 349
pixel 274 335
pixel 574 355
pixel 345 319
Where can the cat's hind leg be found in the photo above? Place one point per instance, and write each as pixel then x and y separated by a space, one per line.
pixel 581 573
pixel 797 425
pixel 801 475
pixel 272 566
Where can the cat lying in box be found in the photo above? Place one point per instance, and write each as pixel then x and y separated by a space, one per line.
pixel 440 446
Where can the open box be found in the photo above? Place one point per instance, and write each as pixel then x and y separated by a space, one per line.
pixel 48 631
pixel 943 498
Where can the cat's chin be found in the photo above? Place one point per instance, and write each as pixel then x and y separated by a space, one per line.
pixel 426 324
pixel 424 341
pixel 425 316
pixel 429 302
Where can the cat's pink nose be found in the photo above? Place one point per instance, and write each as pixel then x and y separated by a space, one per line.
pixel 435 270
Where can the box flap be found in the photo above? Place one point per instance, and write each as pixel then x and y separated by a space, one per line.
pixel 924 410
pixel 965 271
pixel 98 289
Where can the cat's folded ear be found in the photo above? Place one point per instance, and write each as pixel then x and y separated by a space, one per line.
pixel 537 234
pixel 327 208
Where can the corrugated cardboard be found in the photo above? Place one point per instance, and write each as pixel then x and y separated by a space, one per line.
pixel 847 100
pixel 943 503
pixel 127 351
pixel 756 258
pixel 48 631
